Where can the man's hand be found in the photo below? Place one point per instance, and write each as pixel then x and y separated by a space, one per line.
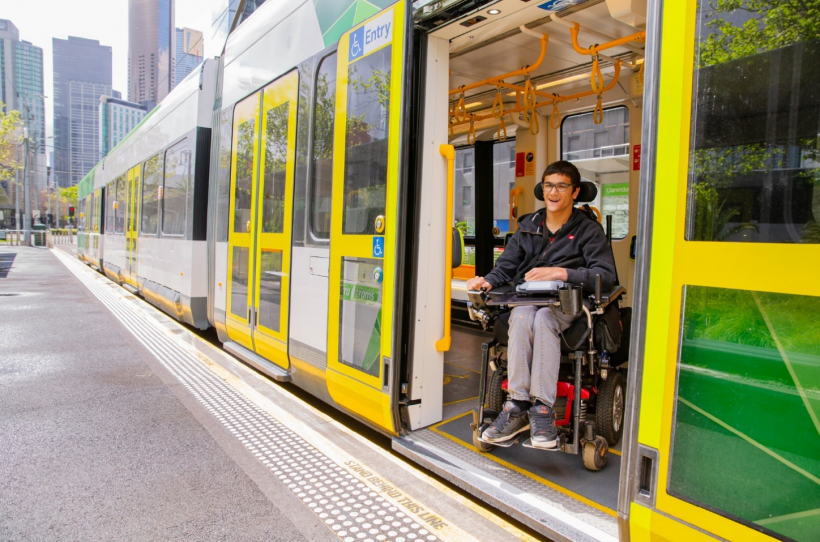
pixel 546 273
pixel 477 283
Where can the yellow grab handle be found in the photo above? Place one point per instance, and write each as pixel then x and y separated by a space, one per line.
pixel 449 153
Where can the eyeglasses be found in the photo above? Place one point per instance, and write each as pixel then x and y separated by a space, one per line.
pixel 561 187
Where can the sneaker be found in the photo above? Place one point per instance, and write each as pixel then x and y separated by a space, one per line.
pixel 543 433
pixel 512 421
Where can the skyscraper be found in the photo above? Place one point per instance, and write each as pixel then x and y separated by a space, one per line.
pixel 189 49
pixel 21 89
pixel 82 73
pixel 150 51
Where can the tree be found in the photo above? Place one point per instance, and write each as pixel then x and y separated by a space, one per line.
pixel 9 123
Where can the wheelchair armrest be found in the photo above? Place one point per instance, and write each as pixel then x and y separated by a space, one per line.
pixel 616 293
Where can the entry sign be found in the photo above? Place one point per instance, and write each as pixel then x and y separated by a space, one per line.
pixel 378 247
pixel 636 158
pixel 371 36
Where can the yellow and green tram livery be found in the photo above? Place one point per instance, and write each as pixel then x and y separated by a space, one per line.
pixel 321 191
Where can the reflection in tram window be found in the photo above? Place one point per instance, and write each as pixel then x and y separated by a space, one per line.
pixel 152 176
pixel 361 315
pixel 270 289
pixel 754 165
pixel 322 173
pixel 276 162
pixel 746 432
pixel 366 141
pixel 175 189
pixel 239 281
pixel 244 176
pixel 503 182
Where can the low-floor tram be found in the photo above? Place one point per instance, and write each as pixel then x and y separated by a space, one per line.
pixel 321 191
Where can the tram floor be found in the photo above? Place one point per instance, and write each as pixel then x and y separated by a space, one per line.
pixel 554 477
pixel 81 465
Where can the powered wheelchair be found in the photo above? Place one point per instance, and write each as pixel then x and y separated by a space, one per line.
pixel 589 406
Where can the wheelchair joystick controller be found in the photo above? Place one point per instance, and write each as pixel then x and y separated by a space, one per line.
pixel 598 288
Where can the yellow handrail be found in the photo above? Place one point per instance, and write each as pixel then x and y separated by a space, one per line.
pixel 449 153
pixel 514 193
pixel 595 49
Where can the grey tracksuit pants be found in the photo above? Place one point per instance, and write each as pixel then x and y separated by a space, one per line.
pixel 534 352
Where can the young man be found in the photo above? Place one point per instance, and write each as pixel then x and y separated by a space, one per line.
pixel 575 250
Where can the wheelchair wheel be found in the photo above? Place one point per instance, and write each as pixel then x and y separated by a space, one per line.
pixel 610 407
pixel 482 446
pixel 595 453
pixel 495 395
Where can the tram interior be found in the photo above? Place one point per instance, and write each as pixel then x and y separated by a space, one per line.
pixel 605 149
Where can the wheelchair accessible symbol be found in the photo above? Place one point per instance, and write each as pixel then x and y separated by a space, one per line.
pixel 378 247
pixel 356 45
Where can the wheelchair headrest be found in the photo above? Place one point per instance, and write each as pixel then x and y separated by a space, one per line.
pixel 588 192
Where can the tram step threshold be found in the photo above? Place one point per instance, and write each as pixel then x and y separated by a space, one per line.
pixel 258 362
pixel 553 521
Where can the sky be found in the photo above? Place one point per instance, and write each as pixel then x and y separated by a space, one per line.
pixel 38 21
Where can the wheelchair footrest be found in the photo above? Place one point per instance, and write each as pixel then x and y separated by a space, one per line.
pixel 505 444
pixel 528 444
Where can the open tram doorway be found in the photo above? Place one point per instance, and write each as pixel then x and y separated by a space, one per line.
pixel 504 138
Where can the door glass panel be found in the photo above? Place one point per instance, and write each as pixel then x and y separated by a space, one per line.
pixel 746 431
pixel 276 161
pixel 361 314
pixel 239 281
pixel 110 200
pixel 754 166
pixel 119 213
pixel 366 142
pixel 582 139
pixel 244 176
pixel 270 289
pixel 150 195
pixel 322 171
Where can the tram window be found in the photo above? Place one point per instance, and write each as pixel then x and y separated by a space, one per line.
pixel 754 158
pixel 582 139
pixel 361 315
pixel 152 177
pixel 223 202
pixel 244 176
pixel 81 205
pixel 270 289
pixel 322 171
pixel 119 212
pixel 175 189
pixel 276 163
pixel 110 200
pixel 503 176
pixel 239 281
pixel 464 213
pixel 366 141
pixel 748 373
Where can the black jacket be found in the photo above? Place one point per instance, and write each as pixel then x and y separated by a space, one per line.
pixel 579 246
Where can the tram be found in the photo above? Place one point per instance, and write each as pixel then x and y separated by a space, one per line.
pixel 321 191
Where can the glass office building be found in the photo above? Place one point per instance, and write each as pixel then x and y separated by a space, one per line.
pixel 189 52
pixel 82 73
pixel 117 119
pixel 150 51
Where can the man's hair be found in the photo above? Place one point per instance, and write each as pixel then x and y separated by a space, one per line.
pixel 562 167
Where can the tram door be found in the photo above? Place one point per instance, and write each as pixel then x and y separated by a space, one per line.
pixel 363 224
pixel 259 238
pixel 134 190
pixel 728 435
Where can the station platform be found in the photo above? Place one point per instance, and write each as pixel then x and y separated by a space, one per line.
pixel 120 424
